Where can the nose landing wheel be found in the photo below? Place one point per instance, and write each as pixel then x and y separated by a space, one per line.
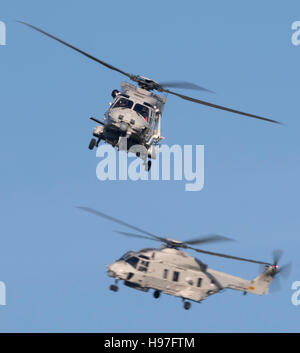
pixel 114 288
pixel 148 166
pixel 187 305
pixel 92 144
pixel 95 142
pixel 156 294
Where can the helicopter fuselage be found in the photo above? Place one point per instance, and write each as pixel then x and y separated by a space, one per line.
pixel 170 270
pixel 176 273
pixel 134 114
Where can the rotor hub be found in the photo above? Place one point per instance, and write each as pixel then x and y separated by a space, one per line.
pixel 147 83
pixel 174 242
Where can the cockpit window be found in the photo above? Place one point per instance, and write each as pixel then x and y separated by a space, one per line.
pixel 143 266
pixel 141 109
pixel 144 257
pixel 126 255
pixel 123 103
pixel 133 261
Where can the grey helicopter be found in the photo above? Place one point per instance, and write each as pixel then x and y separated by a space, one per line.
pixel 172 271
pixel 136 111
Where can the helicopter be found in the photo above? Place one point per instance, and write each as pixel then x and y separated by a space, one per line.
pixel 172 271
pixel 134 116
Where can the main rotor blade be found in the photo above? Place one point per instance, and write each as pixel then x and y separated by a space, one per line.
pixel 78 50
pixel 128 234
pixel 184 84
pixel 213 238
pixel 118 221
pixel 228 256
pixel 220 107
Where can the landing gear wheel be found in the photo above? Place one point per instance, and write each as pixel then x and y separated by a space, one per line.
pixel 113 288
pixel 92 144
pixel 187 305
pixel 148 166
pixel 156 294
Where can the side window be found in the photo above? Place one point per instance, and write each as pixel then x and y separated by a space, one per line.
pixel 199 282
pixel 165 274
pixel 151 118
pixel 143 266
pixel 175 276
pixel 133 261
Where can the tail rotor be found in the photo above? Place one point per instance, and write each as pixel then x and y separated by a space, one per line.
pixel 283 270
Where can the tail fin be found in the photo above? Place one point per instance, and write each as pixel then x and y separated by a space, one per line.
pixel 260 284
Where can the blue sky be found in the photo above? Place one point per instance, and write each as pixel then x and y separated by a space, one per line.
pixel 52 256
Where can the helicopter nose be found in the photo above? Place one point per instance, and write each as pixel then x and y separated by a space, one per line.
pixel 123 127
pixel 119 116
pixel 128 117
pixel 117 269
pixel 111 270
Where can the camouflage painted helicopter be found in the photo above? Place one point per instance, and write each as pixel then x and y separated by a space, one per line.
pixel 136 111
pixel 172 271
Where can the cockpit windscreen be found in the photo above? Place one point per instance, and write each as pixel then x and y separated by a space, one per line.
pixel 123 103
pixel 141 109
